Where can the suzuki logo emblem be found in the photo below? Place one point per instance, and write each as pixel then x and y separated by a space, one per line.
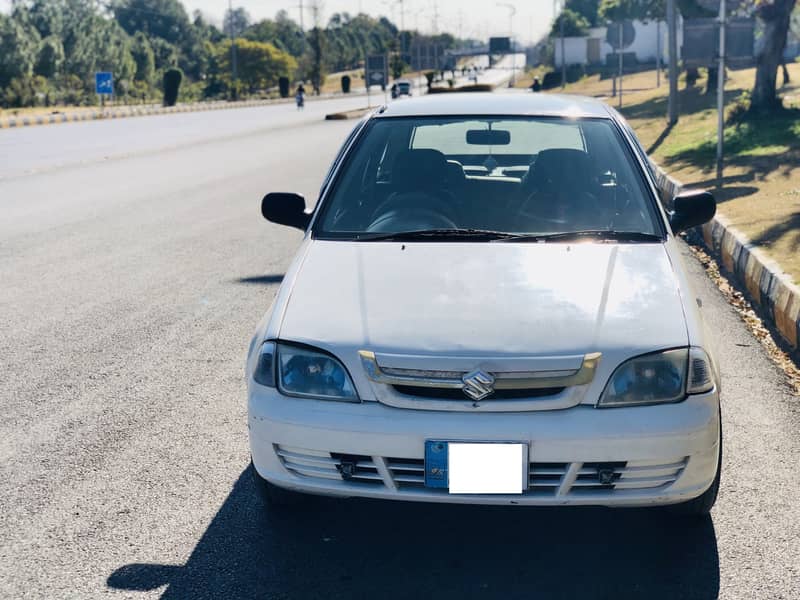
pixel 478 385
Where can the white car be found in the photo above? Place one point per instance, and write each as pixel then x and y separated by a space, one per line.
pixel 489 307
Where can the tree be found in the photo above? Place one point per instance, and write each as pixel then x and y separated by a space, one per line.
pixel 236 22
pixel 316 72
pixel 144 57
pixel 259 65
pixel 19 46
pixel 50 58
pixel 585 8
pixel 775 16
pixel 574 24
pixel 166 19
pixel 621 10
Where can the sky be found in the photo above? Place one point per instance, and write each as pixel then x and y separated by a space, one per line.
pixel 469 18
pixel 477 19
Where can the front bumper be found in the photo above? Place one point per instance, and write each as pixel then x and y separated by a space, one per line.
pixel 658 454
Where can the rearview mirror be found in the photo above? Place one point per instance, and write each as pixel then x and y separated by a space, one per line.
pixel 690 209
pixel 285 209
pixel 488 137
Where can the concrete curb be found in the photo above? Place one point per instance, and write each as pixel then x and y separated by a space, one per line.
pixel 145 110
pixel 768 285
pixel 349 114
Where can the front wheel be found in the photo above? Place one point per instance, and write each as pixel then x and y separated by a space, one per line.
pixel 272 495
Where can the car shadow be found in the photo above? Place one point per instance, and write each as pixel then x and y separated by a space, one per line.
pixel 370 549
pixel 261 279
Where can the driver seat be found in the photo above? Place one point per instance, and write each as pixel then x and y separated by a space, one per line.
pixel 420 184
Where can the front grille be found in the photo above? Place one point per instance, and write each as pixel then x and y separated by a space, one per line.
pixel 328 465
pixel 433 393
pixel 544 478
pixel 407 472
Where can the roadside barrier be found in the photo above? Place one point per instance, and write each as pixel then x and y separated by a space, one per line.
pixel 145 110
pixel 767 284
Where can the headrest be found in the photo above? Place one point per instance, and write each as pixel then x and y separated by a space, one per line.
pixel 419 169
pixel 564 169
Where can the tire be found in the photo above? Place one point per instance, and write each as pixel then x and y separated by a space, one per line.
pixel 273 496
pixel 701 506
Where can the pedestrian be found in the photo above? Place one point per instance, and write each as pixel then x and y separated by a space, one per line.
pixel 536 87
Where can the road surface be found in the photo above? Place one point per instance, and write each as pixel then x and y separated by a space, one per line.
pixel 134 266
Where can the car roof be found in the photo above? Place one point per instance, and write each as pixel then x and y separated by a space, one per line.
pixel 505 104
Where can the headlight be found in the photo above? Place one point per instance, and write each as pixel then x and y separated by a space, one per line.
pixel 303 372
pixel 648 379
pixel 659 378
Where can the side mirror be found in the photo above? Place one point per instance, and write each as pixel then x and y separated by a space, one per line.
pixel 690 209
pixel 286 209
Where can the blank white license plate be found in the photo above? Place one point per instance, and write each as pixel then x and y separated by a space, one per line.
pixel 490 468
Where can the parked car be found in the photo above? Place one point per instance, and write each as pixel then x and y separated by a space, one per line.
pixel 489 306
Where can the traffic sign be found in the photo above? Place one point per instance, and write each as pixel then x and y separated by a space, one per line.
pixel 104 83
pixel 377 70
pixel 628 35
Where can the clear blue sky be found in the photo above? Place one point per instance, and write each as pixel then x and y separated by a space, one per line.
pixel 469 18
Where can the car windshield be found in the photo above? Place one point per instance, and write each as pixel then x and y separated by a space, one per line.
pixel 506 177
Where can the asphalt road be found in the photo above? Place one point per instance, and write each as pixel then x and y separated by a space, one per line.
pixel 131 277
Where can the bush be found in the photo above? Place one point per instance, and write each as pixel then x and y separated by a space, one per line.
pixel 283 86
pixel 192 92
pixel 551 80
pixel 739 109
pixel 172 85
pixel 345 84
pixel 27 91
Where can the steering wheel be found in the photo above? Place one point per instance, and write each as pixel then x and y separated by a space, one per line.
pixel 410 219
pixel 527 209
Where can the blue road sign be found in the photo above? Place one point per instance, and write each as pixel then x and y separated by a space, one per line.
pixel 104 83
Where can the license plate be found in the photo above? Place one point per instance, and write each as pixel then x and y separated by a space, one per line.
pixel 476 467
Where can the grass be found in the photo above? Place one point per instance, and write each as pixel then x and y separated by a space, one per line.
pixel 760 190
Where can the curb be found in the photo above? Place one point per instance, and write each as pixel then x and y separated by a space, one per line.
pixel 349 114
pixel 768 285
pixel 145 110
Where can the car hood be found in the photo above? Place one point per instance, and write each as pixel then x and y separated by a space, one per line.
pixel 485 299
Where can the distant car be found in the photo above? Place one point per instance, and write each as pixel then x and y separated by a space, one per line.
pixel 401 87
pixel 489 306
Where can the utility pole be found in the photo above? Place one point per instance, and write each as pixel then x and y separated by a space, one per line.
pixel 435 17
pixel 672 35
pixel 721 94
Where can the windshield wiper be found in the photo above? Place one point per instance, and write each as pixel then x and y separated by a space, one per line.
pixel 597 234
pixel 436 234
